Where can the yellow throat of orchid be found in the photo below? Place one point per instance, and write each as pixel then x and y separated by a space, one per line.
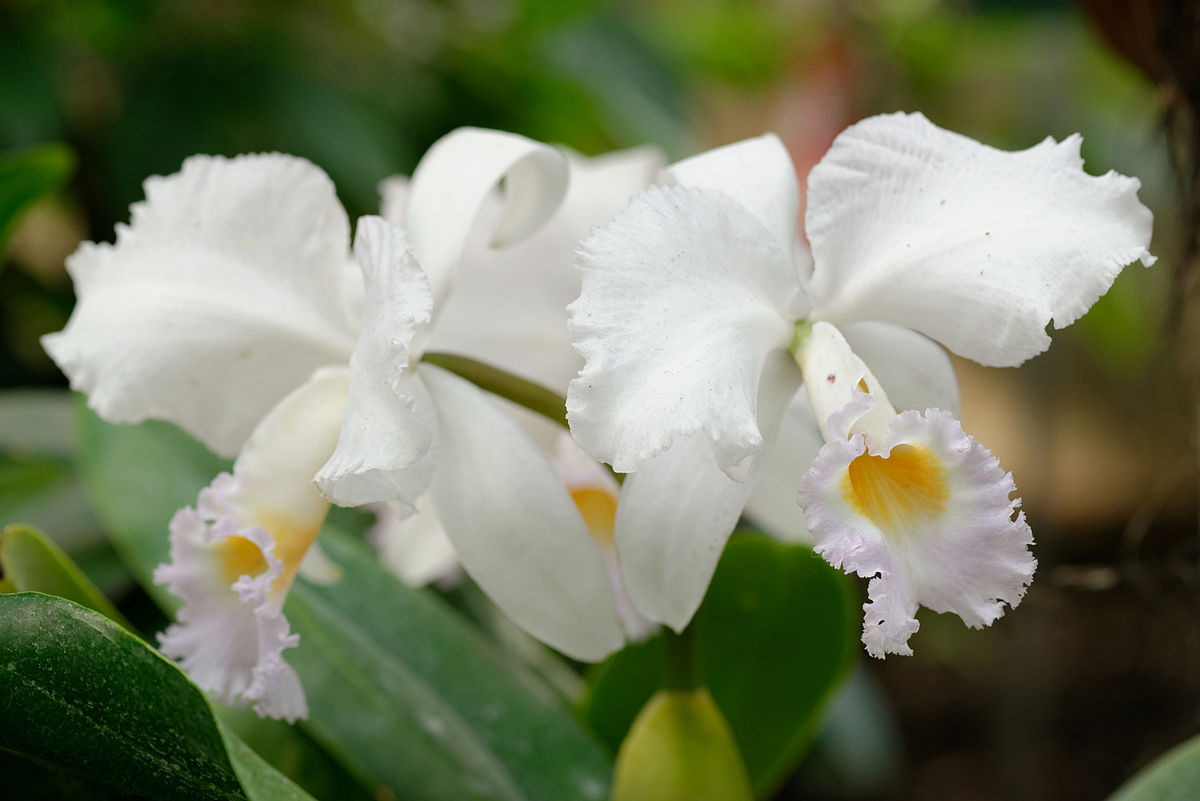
pixel 238 556
pixel 598 507
pixel 895 491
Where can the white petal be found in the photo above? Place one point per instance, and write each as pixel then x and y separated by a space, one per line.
pixel 929 515
pixel 975 247
pixel 508 307
pixel 678 510
pixel 454 178
pixel 675 515
pixel 385 450
pixel 773 505
pixel 235 555
pixel 758 173
pixel 229 288
pixel 515 528
pixel 413 545
pixel 915 371
pixel 684 296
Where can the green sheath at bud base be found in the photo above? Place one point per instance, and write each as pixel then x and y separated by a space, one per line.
pixel 680 749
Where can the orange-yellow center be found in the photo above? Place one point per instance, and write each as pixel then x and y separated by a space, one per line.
pixel 239 556
pixel 904 487
pixel 598 507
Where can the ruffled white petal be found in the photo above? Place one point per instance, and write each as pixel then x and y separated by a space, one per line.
pixel 677 512
pixel 915 371
pixel 515 528
pixel 385 450
pixel 508 307
pixel 929 516
pixel 231 285
pixel 455 177
pixel 235 555
pixel 975 247
pixel 684 295
pixel 757 173
pixel 413 545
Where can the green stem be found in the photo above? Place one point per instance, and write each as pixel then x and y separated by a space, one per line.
pixel 681 668
pixel 521 391
pixel 535 397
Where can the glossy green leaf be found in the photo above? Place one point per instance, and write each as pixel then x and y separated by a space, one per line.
pixel 680 747
pixel 775 635
pixel 83 694
pixel 401 690
pixel 295 754
pixel 30 562
pixel 1174 776
pixel 414 699
pixel 27 175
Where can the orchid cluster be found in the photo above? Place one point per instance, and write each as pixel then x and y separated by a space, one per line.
pixel 721 362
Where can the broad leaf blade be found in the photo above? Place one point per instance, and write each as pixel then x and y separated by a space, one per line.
pixel 776 634
pixel 32 563
pixel 87 696
pixel 416 700
pixel 1174 776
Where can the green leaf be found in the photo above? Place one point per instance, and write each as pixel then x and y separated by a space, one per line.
pixel 86 695
pixel 27 175
pixel 776 634
pixel 1174 776
pixel 414 699
pixel 401 690
pixel 680 747
pixel 29 561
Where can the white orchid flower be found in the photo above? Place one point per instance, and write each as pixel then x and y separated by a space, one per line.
pixel 508 309
pixel 700 318
pixel 232 306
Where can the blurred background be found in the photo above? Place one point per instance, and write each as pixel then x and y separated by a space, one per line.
pixel 1097 671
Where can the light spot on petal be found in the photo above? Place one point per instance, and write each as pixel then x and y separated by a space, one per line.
pixel 896 491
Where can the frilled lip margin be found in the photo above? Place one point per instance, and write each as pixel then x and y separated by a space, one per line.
pixel 929 516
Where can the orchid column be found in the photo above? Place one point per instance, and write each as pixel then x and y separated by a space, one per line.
pixel 701 316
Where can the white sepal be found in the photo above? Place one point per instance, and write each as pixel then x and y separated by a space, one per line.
pixel 514 527
pixel 757 173
pixel 508 307
pixel 455 177
pixel 678 510
pixel 231 285
pixel 684 295
pixel 974 247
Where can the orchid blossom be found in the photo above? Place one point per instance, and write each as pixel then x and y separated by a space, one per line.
pixel 232 306
pixel 701 316
pixel 508 309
